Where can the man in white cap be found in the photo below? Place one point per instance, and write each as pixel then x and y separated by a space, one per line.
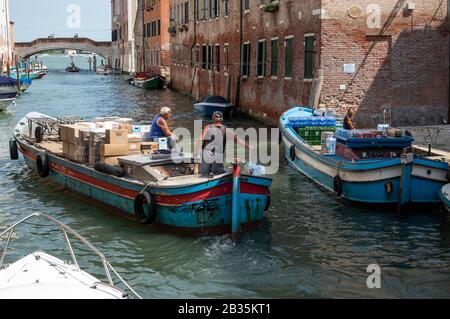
pixel 160 129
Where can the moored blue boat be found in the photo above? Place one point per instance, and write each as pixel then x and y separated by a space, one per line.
pixel 8 91
pixel 168 194
pixel 210 104
pixel 373 170
pixel 445 196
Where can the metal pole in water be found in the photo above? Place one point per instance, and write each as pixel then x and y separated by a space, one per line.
pixel 235 218
pixel 18 74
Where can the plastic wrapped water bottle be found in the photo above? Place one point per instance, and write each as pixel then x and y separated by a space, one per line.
pixel 254 169
pixel 331 145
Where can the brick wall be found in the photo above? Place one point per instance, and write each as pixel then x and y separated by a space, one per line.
pixel 264 97
pixel 157 46
pixel 400 57
pixel 401 62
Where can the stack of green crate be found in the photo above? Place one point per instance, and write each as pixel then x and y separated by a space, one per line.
pixel 313 134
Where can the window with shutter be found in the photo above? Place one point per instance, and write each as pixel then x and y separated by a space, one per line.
pixel 245 69
pixel 261 59
pixel 289 48
pixel 309 57
pixel 274 58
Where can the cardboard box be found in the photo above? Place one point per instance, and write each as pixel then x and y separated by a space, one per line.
pixel 147 152
pixel 149 146
pixel 114 149
pixel 125 120
pixel 116 136
pixel 67 133
pixel 134 147
pixel 66 149
pixel 110 160
pixel 96 140
pixel 127 127
pixel 105 119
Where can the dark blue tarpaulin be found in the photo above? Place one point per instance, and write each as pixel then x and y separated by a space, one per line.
pixel 7 81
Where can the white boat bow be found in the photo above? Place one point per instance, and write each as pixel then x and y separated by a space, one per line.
pixel 42 276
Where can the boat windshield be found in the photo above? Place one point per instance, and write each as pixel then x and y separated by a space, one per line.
pixel 214 99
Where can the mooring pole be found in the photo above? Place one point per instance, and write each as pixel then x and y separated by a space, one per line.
pixel 18 74
pixel 235 214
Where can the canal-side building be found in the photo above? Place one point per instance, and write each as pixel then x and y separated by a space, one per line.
pixel 385 58
pixel 123 13
pixel 156 38
pixel 6 37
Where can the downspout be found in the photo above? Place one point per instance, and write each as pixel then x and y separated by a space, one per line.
pixel 448 38
pixel 196 11
pixel 143 35
pixel 241 23
pixel 8 35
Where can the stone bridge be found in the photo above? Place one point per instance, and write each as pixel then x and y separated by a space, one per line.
pixel 27 49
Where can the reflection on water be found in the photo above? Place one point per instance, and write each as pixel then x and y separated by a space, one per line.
pixel 310 245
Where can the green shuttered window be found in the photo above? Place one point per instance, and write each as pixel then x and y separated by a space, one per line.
pixel 288 67
pixel 274 58
pixel 309 57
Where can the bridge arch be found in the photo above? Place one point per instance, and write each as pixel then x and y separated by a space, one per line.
pixel 27 49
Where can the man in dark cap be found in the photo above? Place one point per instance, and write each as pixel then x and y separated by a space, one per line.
pixel 213 143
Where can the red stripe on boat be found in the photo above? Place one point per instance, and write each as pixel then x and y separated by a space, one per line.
pixel 217 191
pixel 221 190
pixel 94 181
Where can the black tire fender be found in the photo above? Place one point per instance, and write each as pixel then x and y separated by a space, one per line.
pixel 13 151
pixel 42 165
pixel 337 185
pixel 141 201
pixel 292 153
pixel 38 134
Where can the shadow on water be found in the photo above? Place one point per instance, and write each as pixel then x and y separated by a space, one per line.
pixel 310 245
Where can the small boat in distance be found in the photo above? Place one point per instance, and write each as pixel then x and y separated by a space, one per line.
pixel 42 276
pixel 72 68
pixel 445 196
pixel 153 83
pixel 212 103
pixel 364 166
pixel 105 70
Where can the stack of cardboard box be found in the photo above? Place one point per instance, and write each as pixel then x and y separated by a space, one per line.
pixel 119 143
pixel 105 140
pixel 75 140
pixel 96 140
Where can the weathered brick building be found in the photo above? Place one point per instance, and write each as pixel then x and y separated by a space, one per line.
pixel 156 39
pixel 380 56
pixel 7 58
pixel 123 13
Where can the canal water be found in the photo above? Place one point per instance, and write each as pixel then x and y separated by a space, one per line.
pixel 309 246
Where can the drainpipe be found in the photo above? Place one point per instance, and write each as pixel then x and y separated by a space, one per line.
pixel 8 40
pixel 448 37
pixel 194 45
pixel 241 23
pixel 143 33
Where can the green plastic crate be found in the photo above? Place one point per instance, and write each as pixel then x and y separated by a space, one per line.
pixel 313 134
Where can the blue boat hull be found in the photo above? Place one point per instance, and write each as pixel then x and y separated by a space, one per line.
pixel 9 95
pixel 374 182
pixel 191 210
